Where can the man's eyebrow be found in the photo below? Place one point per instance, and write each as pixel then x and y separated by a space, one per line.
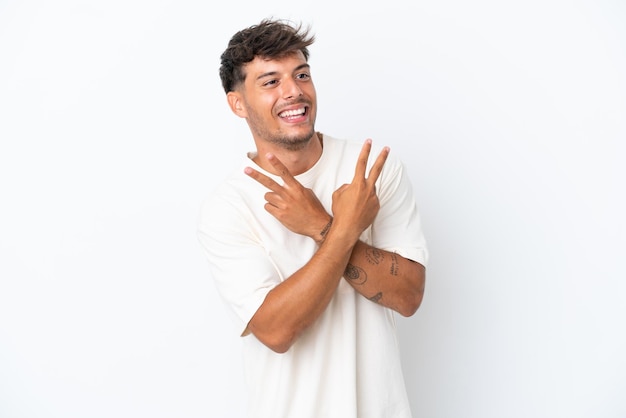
pixel 272 73
pixel 301 66
pixel 267 74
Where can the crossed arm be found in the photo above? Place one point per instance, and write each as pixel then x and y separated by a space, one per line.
pixel 381 276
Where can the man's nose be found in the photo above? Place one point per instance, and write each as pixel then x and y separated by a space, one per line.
pixel 291 89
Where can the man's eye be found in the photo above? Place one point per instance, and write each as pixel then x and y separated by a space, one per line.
pixel 303 76
pixel 270 82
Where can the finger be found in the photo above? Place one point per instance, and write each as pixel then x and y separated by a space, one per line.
pixel 282 170
pixel 274 199
pixel 263 179
pixel 359 172
pixel 377 168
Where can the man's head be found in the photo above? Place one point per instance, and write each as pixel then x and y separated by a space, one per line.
pixel 267 79
pixel 270 39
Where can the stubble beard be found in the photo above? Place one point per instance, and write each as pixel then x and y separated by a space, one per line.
pixel 288 142
pixel 282 140
pixel 291 143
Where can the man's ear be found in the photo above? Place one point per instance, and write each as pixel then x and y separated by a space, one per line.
pixel 236 104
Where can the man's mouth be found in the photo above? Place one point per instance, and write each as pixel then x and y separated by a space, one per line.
pixel 293 113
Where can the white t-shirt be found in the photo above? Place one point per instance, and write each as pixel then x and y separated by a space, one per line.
pixel 347 364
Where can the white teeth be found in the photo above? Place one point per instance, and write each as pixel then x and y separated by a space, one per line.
pixel 290 113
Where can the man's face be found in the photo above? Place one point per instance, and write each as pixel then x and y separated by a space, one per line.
pixel 279 101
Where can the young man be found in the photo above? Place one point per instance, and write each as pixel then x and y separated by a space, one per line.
pixel 312 245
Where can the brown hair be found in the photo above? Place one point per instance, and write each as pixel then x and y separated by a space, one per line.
pixel 268 39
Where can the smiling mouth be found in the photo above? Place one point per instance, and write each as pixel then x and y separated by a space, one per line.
pixel 293 113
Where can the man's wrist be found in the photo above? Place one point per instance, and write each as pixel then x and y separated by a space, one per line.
pixel 324 232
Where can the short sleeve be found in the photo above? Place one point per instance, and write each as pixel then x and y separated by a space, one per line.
pixel 242 271
pixel 397 227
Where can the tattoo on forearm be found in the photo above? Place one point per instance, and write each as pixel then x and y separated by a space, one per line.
pixel 324 231
pixel 374 255
pixel 393 270
pixel 376 297
pixel 355 274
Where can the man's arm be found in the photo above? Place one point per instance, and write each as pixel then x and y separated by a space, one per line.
pixel 294 304
pixel 386 278
pixel 381 276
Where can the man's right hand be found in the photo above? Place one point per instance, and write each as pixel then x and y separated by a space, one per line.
pixel 294 205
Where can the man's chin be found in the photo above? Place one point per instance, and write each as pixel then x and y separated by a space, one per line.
pixel 295 143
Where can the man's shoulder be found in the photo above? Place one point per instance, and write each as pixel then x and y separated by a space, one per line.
pixel 230 190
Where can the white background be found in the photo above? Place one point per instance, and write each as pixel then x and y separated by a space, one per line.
pixel 509 115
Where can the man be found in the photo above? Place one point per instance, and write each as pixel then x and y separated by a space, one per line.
pixel 312 245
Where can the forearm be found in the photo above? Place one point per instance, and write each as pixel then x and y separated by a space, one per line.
pixel 386 278
pixel 293 305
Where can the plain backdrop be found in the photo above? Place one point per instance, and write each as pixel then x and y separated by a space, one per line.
pixel 510 117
